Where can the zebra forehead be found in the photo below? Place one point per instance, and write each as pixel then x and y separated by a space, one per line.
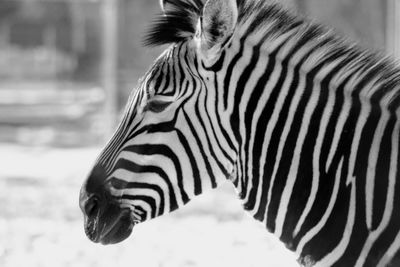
pixel 156 71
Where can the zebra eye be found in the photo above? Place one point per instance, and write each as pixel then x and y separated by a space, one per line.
pixel 157 106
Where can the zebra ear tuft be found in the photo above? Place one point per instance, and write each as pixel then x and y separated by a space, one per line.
pixel 216 26
pixel 163 5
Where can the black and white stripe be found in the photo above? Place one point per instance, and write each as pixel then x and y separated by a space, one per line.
pixel 304 123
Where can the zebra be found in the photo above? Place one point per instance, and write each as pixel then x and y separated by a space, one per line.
pixel 303 122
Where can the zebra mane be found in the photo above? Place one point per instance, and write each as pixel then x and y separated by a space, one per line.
pixel 178 23
pixel 360 65
pixel 180 17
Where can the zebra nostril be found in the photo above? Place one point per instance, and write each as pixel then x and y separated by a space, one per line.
pixel 92 206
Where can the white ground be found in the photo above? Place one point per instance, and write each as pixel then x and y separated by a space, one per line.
pixel 41 224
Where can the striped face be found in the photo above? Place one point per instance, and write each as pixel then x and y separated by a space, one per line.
pixel 140 173
pixel 162 153
pixel 170 144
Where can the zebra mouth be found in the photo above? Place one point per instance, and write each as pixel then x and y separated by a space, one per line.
pixel 118 231
pixel 105 231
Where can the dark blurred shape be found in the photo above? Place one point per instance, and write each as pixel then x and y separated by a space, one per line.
pixel 8 9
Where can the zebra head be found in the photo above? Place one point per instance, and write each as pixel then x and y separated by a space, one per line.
pixel 172 142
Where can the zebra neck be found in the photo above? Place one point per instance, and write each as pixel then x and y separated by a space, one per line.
pixel 306 113
pixel 285 92
pixel 286 66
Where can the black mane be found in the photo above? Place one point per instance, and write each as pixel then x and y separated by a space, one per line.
pixel 176 24
pixel 180 17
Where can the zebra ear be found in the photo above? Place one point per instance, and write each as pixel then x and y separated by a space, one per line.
pixel 216 26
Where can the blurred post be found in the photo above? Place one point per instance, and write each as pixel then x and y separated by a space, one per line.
pixel 78 27
pixel 50 42
pixel 393 28
pixel 110 63
pixel 4 32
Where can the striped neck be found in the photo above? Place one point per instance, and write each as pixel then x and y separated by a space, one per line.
pixel 279 80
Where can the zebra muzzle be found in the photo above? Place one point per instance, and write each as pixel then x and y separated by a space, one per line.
pixel 110 226
pixel 105 221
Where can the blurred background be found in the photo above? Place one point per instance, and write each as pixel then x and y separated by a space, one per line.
pixel 66 70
